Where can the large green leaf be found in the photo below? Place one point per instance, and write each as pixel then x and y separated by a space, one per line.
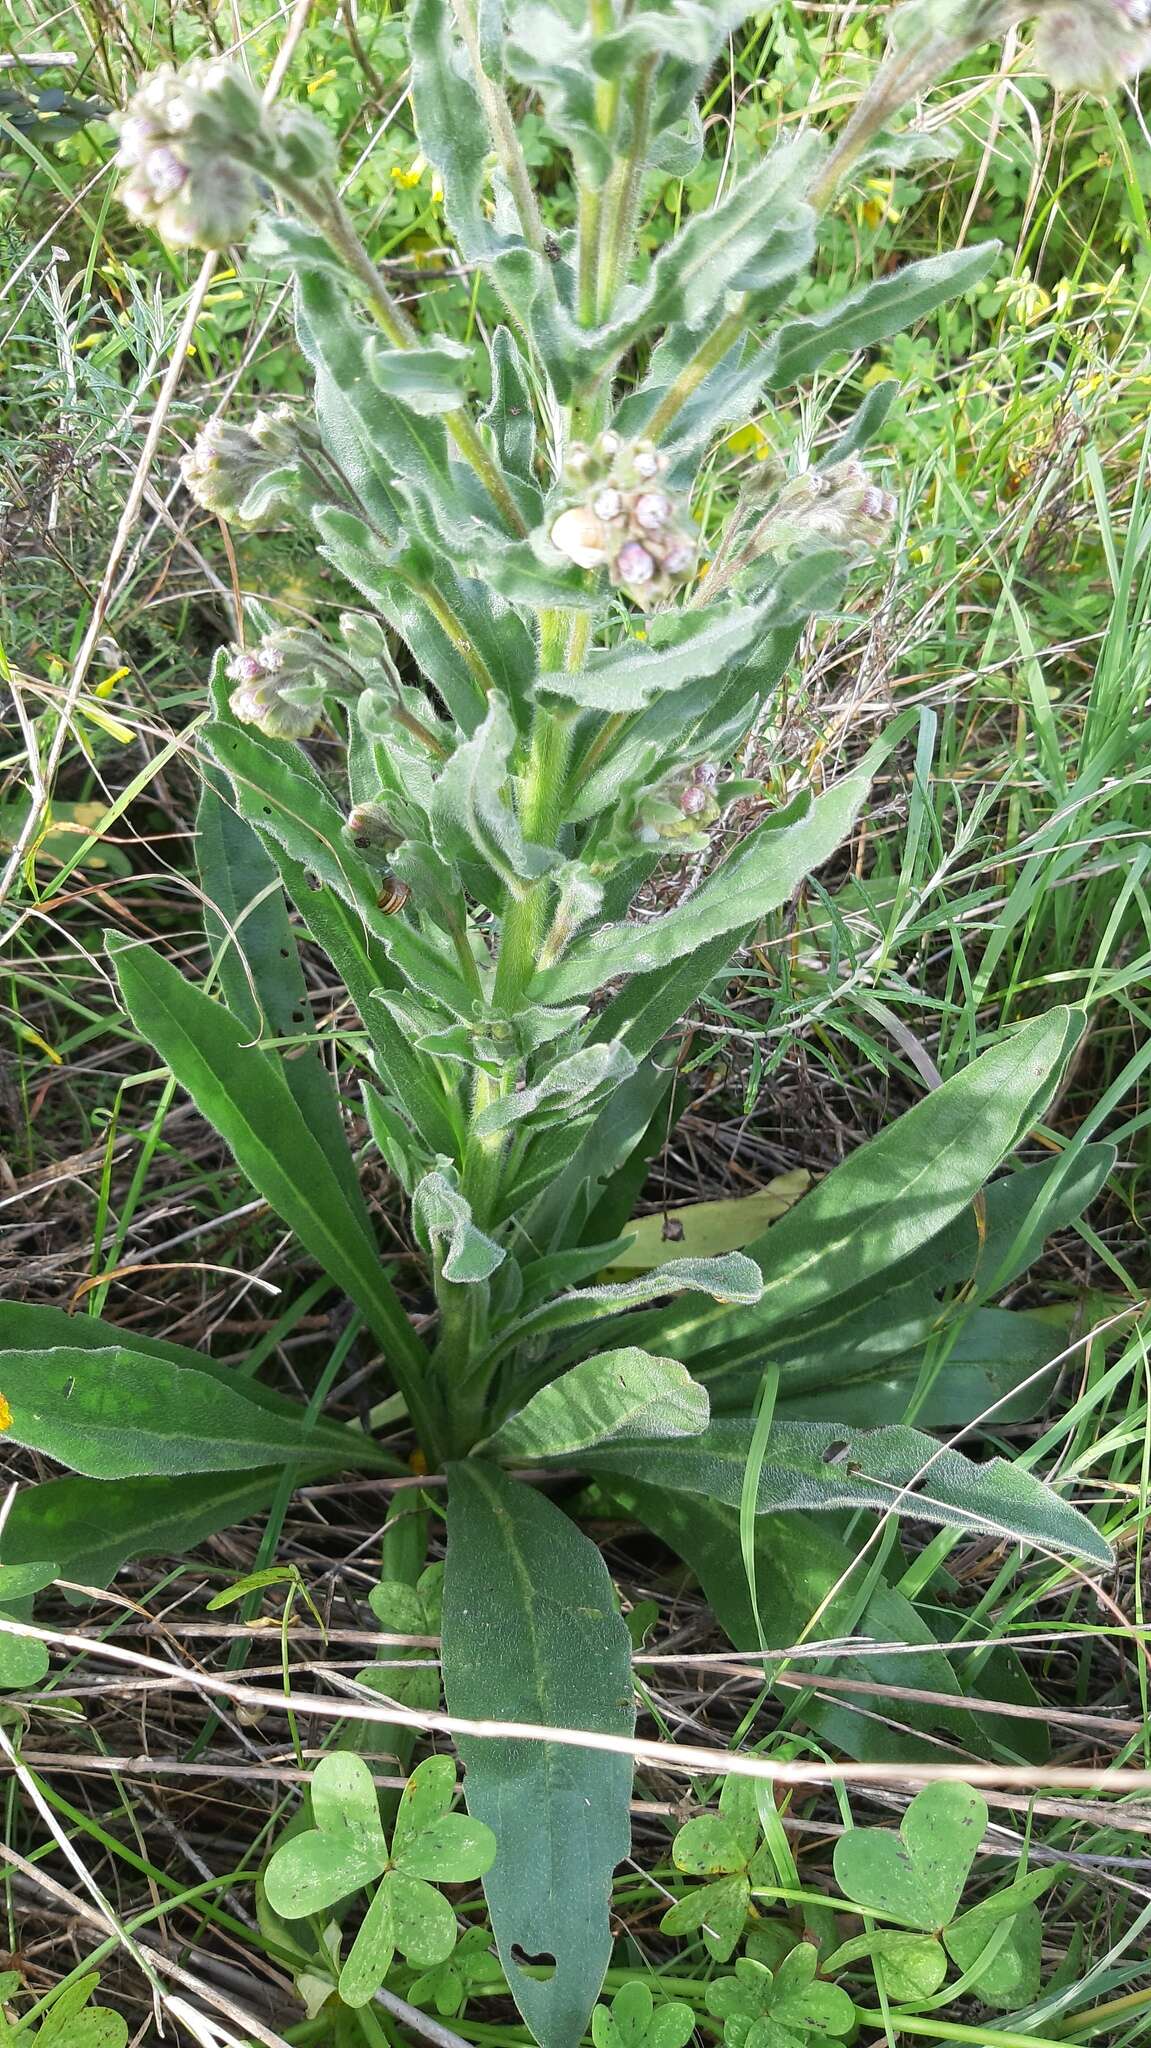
pixel 754 880
pixel 91 1526
pixel 877 311
pixel 618 1394
pixel 804 1569
pixel 531 1633
pixel 994 1360
pixel 259 966
pixel 118 1414
pixel 849 1238
pixel 822 1465
pixel 630 676
pixel 892 1318
pixel 249 1103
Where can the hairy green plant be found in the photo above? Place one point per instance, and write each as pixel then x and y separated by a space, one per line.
pixel 549 665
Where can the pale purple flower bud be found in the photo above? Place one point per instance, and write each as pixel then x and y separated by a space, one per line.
pixel 610 444
pixel 165 173
pixel 652 510
pixel 138 135
pixel 246 668
pixel 647 463
pixel 633 564
pixel 1092 45
pixel 680 558
pixel 705 775
pixel 694 800
pixel 608 505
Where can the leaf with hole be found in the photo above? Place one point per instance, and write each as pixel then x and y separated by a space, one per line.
pixel 531 1633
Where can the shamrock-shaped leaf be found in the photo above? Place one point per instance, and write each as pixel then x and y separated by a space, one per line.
pixel 721 1845
pixel 1001 1939
pixel 347 1849
pixel 718 1911
pixel 916 1875
pixel 70 2021
pixel 472 1964
pixel 404 1610
pixel 913 1965
pixel 787 2008
pixel 635 2021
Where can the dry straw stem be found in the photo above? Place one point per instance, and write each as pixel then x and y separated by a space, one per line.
pixel 688 1758
pixel 43 774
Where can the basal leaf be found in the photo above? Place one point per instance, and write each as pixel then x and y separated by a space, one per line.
pixel 121 1415
pixel 820 1465
pixel 531 1633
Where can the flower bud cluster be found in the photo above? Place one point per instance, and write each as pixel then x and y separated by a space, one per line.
pixel 280 685
pixel 1080 45
pixel 242 473
pixel 841 505
pixel 679 809
pixel 193 143
pixel 1092 45
pixel 625 520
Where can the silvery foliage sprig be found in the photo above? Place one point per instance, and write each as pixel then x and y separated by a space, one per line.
pixel 561 644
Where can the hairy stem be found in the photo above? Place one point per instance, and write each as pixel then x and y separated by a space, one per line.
pixel 503 130
pixel 325 209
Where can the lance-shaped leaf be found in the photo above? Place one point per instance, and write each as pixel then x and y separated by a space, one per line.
pixel 822 1465
pixel 118 1414
pixel 510 417
pixel 91 1526
pixel 732 1278
pixel 879 310
pixel 802 1568
pixel 549 52
pixel 249 1103
pixel 427 379
pixel 756 879
pixel 297 814
pixel 450 122
pixel 761 235
pixel 472 815
pixel 531 1633
pixel 626 1393
pixel 857 1233
pixel 247 924
pixel 629 677
pixel 443 1220
pixel 569 1088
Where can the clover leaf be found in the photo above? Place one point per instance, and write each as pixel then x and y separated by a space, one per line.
pixel 917 1875
pixel 347 1850
pixel 404 1610
pixel 634 2020
pixel 70 2021
pixel 471 1966
pixel 723 1846
pixel 786 2008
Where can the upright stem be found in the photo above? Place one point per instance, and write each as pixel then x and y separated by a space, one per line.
pixel 503 130
pixel 624 192
pixel 325 209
